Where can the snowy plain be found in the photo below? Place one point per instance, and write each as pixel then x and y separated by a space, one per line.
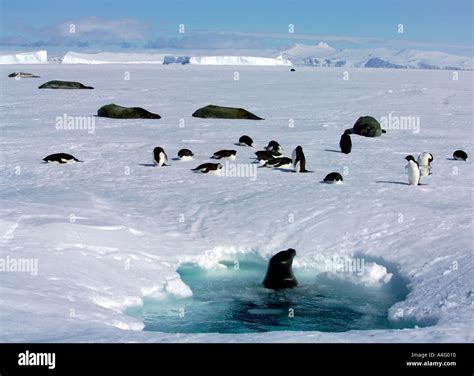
pixel 110 231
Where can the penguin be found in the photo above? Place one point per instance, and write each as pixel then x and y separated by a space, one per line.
pixel 185 154
pixel 245 141
pixel 424 163
pixel 209 168
pixel 346 143
pixel 333 178
pixel 299 160
pixel 275 146
pixel 292 70
pixel 159 157
pixel 460 155
pixel 283 162
pixel 224 154
pixel 413 170
pixel 268 154
pixel 61 158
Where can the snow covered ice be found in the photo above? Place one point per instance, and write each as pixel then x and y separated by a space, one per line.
pixel 111 233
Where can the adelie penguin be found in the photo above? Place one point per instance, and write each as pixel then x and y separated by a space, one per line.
pixel 299 160
pixel 345 143
pixel 159 157
pixel 333 178
pixel 267 154
pixel 185 154
pixel 460 155
pixel 283 162
pixel 209 168
pixel 279 272
pixel 413 170
pixel 245 141
pixel 424 163
pixel 264 156
pixel 61 158
pixel 224 154
pixel 274 146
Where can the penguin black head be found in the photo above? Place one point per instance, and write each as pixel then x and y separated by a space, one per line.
pixel 299 149
pixel 347 132
pixel 410 158
pixel 273 145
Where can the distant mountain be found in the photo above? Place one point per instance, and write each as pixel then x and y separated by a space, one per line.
pixel 318 55
pixel 323 55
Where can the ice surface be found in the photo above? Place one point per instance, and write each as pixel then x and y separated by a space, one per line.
pixel 112 231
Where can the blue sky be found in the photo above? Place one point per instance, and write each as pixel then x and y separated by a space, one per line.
pixel 213 25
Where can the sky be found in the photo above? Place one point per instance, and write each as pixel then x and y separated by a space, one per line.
pixel 118 25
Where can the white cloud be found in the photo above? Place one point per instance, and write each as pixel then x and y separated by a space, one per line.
pixel 96 28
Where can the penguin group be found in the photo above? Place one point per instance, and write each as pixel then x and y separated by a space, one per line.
pixel 415 168
pixel 272 157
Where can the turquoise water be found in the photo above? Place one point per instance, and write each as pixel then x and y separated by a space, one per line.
pixel 231 300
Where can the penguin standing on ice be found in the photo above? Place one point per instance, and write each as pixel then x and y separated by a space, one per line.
pixel 424 163
pixel 159 157
pixel 299 160
pixel 346 143
pixel 413 170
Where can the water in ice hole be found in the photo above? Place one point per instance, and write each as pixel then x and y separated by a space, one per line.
pixel 230 300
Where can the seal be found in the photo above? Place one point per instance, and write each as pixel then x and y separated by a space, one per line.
pixel 115 111
pixel 220 112
pixel 279 272
pixel 56 84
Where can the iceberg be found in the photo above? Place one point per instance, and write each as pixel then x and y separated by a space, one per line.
pixel 240 60
pixel 37 57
